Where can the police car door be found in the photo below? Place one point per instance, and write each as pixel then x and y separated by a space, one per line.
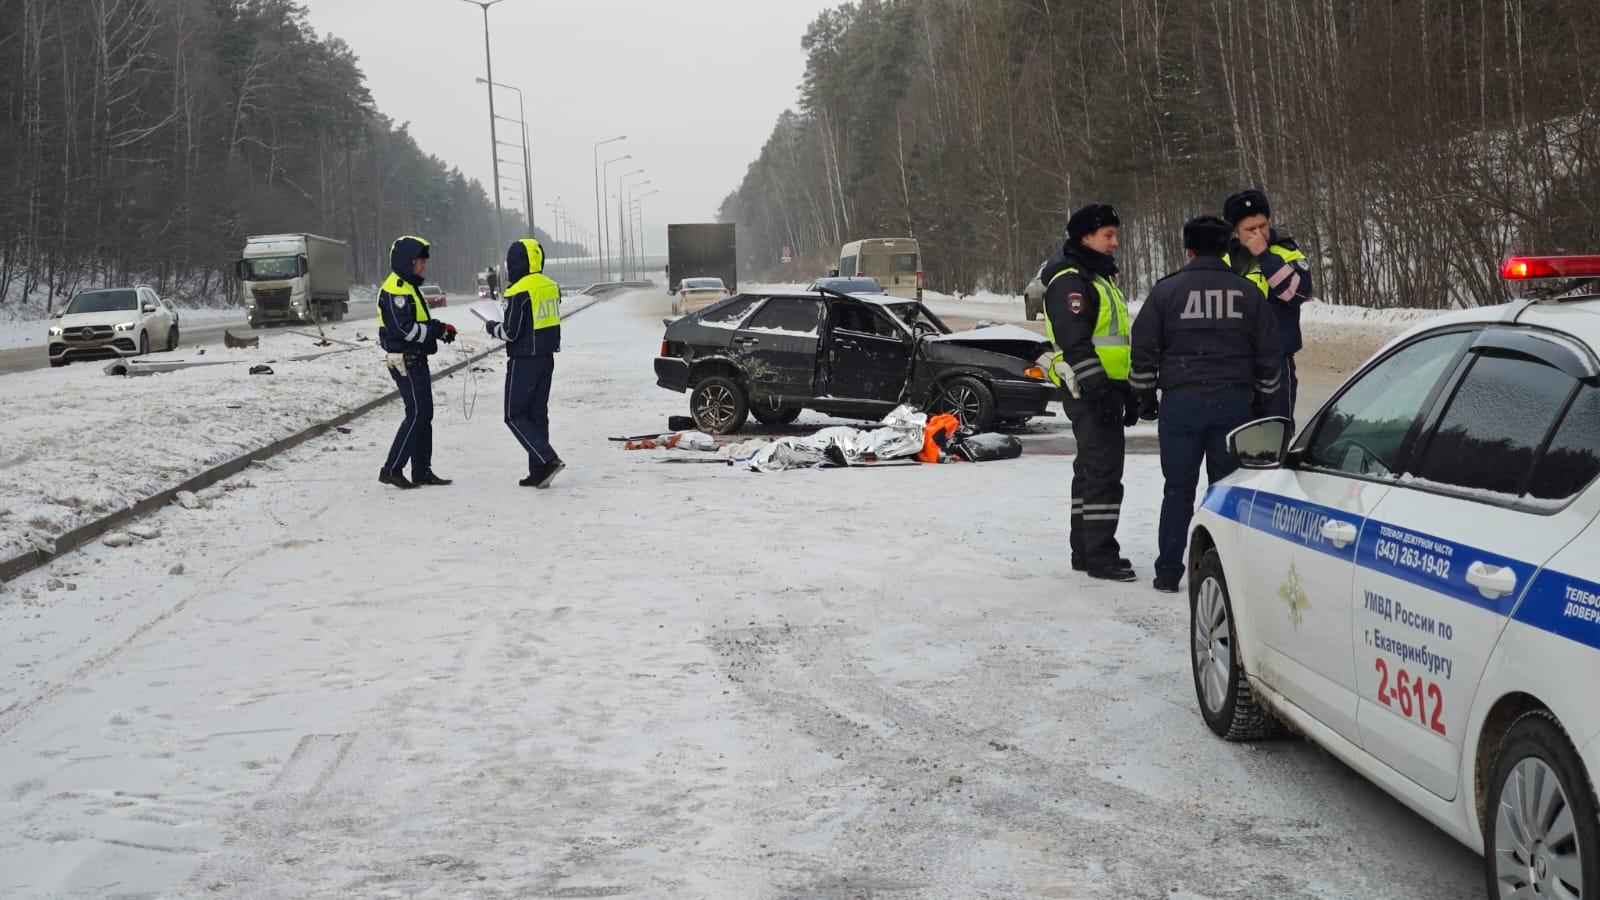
pixel 1307 518
pixel 1450 550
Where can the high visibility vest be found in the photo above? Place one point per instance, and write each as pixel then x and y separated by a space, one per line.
pixel 545 297
pixel 1111 329
pixel 1254 272
pixel 400 287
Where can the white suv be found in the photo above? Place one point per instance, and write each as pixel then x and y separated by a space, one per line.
pixel 112 322
pixel 1415 583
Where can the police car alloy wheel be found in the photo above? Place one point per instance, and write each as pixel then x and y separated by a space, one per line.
pixel 1226 701
pixel 1543 834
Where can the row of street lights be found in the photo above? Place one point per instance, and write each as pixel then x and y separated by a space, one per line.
pixel 630 216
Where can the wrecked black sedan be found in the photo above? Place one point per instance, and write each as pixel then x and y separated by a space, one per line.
pixel 850 355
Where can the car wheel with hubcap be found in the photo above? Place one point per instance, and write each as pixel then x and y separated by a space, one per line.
pixel 1542 838
pixel 773 412
pixel 719 405
pixel 970 401
pixel 1226 701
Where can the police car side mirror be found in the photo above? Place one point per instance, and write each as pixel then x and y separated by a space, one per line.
pixel 1261 444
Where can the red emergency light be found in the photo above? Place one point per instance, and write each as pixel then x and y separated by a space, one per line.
pixel 1528 268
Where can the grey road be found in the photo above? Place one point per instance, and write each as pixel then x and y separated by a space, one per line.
pixel 26 359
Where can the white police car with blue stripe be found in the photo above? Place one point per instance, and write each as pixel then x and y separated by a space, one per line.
pixel 1414 582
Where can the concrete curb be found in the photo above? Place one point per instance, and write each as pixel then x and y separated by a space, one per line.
pixel 71 540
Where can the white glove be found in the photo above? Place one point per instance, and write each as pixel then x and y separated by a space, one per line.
pixel 1069 378
pixel 397 362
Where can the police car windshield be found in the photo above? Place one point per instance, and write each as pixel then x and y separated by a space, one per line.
pixel 103 301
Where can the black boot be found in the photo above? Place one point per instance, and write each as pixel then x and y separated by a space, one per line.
pixel 395 478
pixel 1165 587
pixel 1113 573
pixel 426 476
pixel 1079 565
pixel 549 472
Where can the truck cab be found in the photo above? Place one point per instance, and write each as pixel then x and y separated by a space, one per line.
pixel 293 278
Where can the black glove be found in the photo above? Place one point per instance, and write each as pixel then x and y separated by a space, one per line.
pixel 1095 388
pixel 1130 407
pixel 1149 406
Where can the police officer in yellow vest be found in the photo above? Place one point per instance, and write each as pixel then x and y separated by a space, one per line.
pixel 532 332
pixel 1087 320
pixel 409 335
pixel 1275 264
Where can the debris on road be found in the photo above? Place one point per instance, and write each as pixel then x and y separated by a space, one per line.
pixel 261 370
pixel 239 343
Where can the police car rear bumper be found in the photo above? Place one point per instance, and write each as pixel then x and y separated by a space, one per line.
pixel 672 373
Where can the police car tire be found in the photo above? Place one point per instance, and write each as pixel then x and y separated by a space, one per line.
pixel 735 392
pixel 1538 735
pixel 1241 718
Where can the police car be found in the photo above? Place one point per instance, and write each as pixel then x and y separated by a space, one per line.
pixel 1414 582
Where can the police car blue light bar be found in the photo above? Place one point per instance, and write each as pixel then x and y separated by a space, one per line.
pixel 1528 268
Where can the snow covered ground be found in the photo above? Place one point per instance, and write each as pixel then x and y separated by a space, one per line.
pixel 657 678
pixel 36 332
pixel 78 443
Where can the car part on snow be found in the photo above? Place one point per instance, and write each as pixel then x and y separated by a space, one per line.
pixel 680 423
pixel 260 370
pixel 239 343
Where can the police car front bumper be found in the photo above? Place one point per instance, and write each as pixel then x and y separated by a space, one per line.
pixel 672 373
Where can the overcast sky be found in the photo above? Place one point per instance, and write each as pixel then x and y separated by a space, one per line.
pixel 696 85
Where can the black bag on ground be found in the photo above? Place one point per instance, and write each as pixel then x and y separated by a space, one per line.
pixel 984 447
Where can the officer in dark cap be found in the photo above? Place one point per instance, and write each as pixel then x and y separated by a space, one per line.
pixel 1274 263
pixel 1086 319
pixel 409 335
pixel 1206 340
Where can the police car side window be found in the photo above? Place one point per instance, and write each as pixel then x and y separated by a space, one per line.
pixel 1364 432
pixel 1492 430
pixel 1573 459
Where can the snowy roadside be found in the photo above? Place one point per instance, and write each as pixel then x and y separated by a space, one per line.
pixel 79 444
pixel 654 679
pixel 21 333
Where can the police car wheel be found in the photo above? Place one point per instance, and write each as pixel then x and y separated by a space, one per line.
pixel 1542 838
pixel 970 401
pixel 719 405
pixel 1226 701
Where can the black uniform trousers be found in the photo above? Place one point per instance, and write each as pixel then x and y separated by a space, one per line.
pixel 1096 478
pixel 1194 428
pixel 528 405
pixel 413 443
pixel 1282 403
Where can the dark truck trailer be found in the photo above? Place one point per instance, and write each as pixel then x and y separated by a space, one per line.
pixel 702 251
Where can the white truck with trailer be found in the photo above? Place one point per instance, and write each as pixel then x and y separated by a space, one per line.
pixel 294 278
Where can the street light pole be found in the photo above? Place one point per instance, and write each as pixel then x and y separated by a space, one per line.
pixel 609 250
pixel 628 244
pixel 527 149
pixel 494 139
pixel 621 137
pixel 643 250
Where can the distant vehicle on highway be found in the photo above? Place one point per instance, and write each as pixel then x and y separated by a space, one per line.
pixel 696 294
pixel 434 295
pixel 894 263
pixel 772 355
pixel 708 250
pixel 109 322
pixel 295 278
pixel 847 285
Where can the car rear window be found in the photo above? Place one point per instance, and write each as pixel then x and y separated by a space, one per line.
pixel 728 311
pixel 103 301
pixel 700 284
pixel 889 264
pixel 1573 458
pixel 789 314
pixel 1492 430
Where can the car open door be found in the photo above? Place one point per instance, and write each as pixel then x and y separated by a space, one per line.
pixel 779 346
pixel 868 356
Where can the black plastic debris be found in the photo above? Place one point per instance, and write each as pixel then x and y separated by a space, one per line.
pixel 260 370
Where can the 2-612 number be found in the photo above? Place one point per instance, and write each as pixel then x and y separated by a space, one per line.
pixel 1411 695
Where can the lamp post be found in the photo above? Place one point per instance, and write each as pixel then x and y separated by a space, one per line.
pixel 527 148
pixel 621 137
pixel 555 210
pixel 643 250
pixel 607 249
pixel 628 244
pixel 494 139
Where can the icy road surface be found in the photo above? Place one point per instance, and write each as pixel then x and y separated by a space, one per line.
pixel 652 680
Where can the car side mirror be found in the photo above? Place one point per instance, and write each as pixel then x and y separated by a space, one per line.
pixel 59 314
pixel 149 307
pixel 238 270
pixel 305 266
pixel 1261 444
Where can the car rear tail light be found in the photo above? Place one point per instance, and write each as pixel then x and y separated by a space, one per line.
pixel 1528 268
pixel 665 349
pixel 919 281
